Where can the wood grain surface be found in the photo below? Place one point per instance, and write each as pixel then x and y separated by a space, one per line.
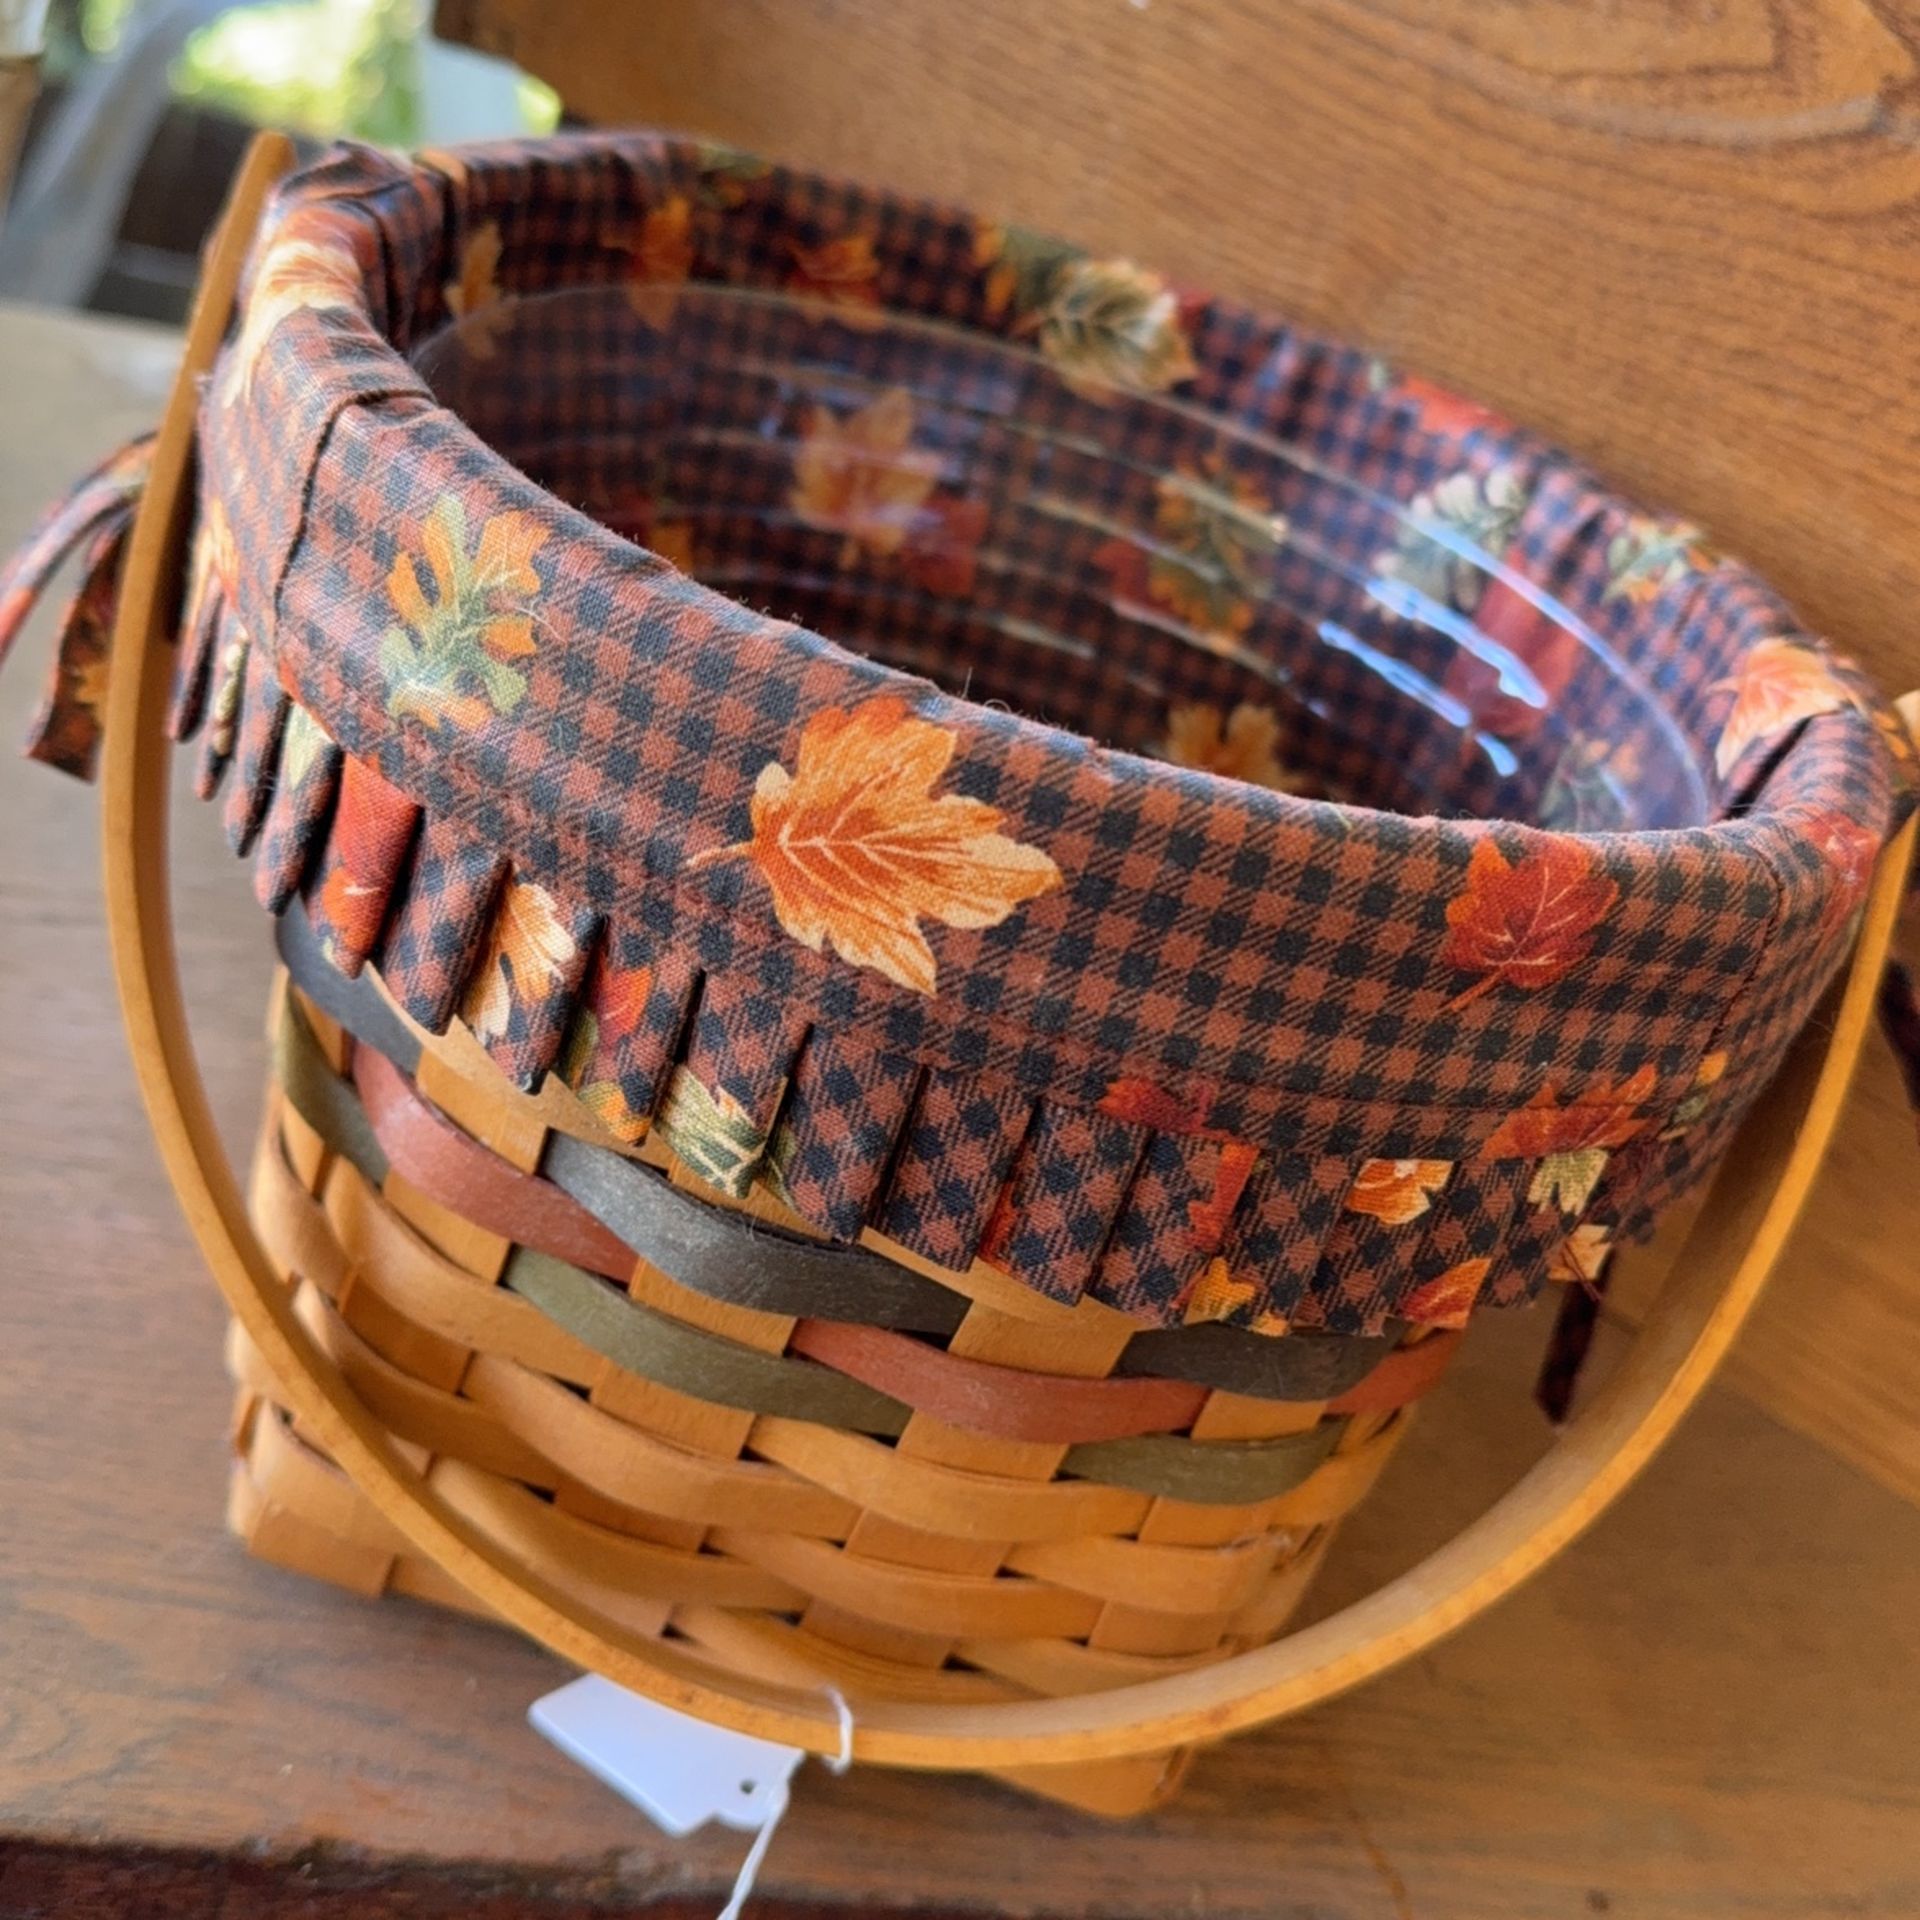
pixel 1698 1712
pixel 1682 240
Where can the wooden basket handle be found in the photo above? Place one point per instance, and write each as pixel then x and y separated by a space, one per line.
pixel 1714 1283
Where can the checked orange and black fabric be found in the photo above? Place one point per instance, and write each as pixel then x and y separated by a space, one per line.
pixel 904 911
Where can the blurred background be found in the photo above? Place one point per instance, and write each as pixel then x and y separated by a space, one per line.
pixel 131 121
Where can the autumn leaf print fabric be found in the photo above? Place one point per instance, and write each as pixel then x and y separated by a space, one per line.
pixel 1779 684
pixel 1525 923
pixel 314 270
pixel 857 850
pixel 1130 1007
pixel 465 618
pixel 1106 325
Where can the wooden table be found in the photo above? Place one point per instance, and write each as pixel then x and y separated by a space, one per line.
pixel 1707 1708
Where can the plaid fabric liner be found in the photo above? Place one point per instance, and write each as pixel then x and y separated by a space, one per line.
pixel 489 679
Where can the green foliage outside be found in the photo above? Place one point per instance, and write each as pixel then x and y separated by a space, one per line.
pixel 321 67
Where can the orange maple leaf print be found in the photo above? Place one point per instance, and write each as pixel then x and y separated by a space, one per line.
pixel 1217 1295
pixel 372 823
pixel 1209 1218
pixel 1780 683
pixel 528 947
pixel 1581 1257
pixel 445 160
pixel 1241 745
pixel 857 849
pixel 942 553
pixel 1600 1117
pixel 1440 411
pixel 299 271
pixel 1525 923
pixel 1549 652
pixel 1448 1300
pixel 473 295
pixel 607 1103
pixel 89 689
pixel 862 476
pixel 1148 1105
pixel 620 999
pixel 844 272
pixel 661 256
pixel 1396 1191
pixel 672 540
pixel 1851 852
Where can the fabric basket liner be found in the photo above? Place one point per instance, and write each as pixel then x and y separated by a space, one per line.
pixel 1233 1060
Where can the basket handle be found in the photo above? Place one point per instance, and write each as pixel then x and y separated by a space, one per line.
pixel 1714 1283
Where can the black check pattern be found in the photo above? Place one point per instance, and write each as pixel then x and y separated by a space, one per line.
pixel 744 1042
pixel 65 730
pixel 441 925
pixel 293 831
pixel 1067 1189
pixel 846 1109
pixel 640 995
pixel 1289 1207
pixel 1278 971
pixel 358 877
pixel 90 520
pixel 263 721
pixel 1534 1235
pixel 1474 1218
pixel 957 1148
pixel 1175 1219
pixel 523 1012
pixel 1361 1253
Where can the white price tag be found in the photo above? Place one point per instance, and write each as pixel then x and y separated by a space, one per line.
pixel 680 1772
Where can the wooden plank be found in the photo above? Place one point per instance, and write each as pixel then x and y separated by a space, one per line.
pixel 1680 241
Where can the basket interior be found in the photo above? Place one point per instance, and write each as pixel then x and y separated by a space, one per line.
pixel 1161 579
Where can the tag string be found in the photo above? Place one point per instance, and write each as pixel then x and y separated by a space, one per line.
pixel 750 1866
pixel 842 1760
pixel 763 1840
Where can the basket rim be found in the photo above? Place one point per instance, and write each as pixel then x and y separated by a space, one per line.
pixel 1073 988
pixel 387 375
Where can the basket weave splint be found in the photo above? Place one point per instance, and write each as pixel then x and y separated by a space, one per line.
pixel 778 1175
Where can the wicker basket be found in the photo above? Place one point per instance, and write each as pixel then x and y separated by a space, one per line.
pixel 732 1302
pixel 1038 1527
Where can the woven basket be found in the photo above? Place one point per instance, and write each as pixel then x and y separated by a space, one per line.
pixel 1043 1523
pixel 776 1177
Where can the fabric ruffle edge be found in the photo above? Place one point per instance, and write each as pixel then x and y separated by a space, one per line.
pixel 1132 1203
pixel 92 521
